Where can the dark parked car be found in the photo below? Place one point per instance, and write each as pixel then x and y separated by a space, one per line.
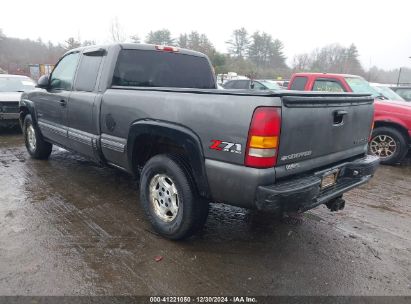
pixel 246 84
pixel 154 111
pixel 404 92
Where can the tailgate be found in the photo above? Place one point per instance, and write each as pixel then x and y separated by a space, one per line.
pixel 320 130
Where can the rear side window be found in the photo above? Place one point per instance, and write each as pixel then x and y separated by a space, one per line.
pixel 228 85
pixel 87 73
pixel 162 69
pixel 299 83
pixel 259 86
pixel 327 86
pixel 404 93
pixel 241 84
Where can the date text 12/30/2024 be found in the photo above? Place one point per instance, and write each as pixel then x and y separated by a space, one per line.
pixel 235 299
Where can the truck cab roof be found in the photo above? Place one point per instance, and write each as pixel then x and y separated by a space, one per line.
pixel 331 75
pixel 139 46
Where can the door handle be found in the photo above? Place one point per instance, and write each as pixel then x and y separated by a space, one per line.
pixel 340 112
pixel 338 117
pixel 63 102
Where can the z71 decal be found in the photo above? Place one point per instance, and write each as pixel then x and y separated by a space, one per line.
pixel 225 146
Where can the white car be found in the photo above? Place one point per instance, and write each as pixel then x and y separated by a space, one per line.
pixel 11 87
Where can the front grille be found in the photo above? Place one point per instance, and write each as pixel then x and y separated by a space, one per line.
pixel 9 107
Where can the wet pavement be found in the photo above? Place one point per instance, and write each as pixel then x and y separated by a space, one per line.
pixel 71 227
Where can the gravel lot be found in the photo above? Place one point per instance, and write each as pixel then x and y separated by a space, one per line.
pixel 70 227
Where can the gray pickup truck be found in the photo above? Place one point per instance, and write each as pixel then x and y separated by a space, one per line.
pixel 155 112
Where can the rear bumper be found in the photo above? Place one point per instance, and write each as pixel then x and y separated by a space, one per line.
pixel 304 193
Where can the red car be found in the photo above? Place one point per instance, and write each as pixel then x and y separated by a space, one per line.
pixel 391 137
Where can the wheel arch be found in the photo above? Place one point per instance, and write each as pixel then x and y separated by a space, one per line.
pixel 26 107
pixel 148 138
pixel 395 125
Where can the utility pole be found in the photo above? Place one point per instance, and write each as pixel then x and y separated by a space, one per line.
pixel 399 75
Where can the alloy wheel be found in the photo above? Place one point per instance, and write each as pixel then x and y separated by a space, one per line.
pixel 383 146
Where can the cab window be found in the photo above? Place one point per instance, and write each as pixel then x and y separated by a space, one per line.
pixel 241 84
pixel 228 85
pixel 87 73
pixel 299 83
pixel 259 86
pixel 325 85
pixel 63 74
pixel 146 68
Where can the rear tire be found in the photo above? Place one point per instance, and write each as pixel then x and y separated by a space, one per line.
pixel 36 146
pixel 388 144
pixel 169 198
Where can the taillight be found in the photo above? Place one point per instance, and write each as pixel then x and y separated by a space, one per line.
pixel 263 138
pixel 166 48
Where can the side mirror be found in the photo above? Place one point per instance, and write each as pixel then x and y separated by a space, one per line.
pixel 382 97
pixel 43 82
pixel 252 86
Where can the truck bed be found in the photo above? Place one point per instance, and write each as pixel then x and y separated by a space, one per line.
pixel 306 120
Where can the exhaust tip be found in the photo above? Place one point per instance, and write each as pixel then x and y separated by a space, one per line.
pixel 336 204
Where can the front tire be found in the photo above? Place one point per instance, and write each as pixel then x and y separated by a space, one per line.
pixel 169 198
pixel 388 144
pixel 36 146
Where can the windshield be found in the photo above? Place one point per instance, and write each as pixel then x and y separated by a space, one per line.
pixel 271 85
pixel 360 85
pixel 388 93
pixel 16 84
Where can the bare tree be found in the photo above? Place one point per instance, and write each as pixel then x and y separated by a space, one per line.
pixel 182 41
pixel 72 43
pixel 239 43
pixel 301 63
pixel 116 31
pixel 135 38
pixel 88 42
pixel 332 58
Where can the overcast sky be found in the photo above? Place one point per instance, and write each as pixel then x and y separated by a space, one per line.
pixel 381 29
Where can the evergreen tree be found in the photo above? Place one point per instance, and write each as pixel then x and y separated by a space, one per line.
pixel 161 37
